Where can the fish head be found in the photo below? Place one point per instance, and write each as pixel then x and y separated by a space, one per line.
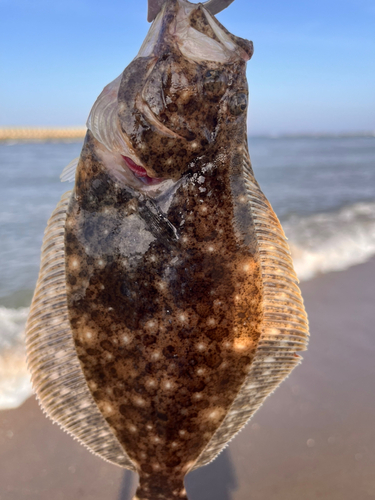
pixel 184 90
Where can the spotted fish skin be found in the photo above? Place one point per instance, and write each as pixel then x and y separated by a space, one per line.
pixel 167 296
pixel 165 324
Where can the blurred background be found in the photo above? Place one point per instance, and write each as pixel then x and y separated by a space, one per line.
pixel 312 143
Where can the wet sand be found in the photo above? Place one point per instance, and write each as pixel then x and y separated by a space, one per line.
pixel 313 439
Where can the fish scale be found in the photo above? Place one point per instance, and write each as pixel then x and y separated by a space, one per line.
pixel 166 311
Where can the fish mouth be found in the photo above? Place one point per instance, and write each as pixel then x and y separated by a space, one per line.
pixel 140 172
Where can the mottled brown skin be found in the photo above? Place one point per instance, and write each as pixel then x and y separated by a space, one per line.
pixel 184 97
pixel 166 308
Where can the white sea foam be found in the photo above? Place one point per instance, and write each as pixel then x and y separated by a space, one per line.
pixel 332 241
pixel 320 243
pixel 15 385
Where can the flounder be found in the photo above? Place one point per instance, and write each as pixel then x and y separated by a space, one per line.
pixel 167 308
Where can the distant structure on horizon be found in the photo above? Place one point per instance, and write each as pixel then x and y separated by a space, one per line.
pixel 41 134
pixel 76 133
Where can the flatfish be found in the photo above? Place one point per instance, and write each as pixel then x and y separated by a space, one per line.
pixel 167 308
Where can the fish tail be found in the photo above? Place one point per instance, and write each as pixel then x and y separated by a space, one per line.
pixel 160 487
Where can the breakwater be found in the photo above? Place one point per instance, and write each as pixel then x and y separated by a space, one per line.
pixel 41 134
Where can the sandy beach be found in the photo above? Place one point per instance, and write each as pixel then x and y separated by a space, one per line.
pixel 313 439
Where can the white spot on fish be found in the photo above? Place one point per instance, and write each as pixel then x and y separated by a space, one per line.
pixel 138 401
pixel 215 414
pixel 74 263
pixel 241 344
pixel 167 385
pixel 126 339
pixel 93 386
pixel 107 408
pixel 273 331
pixel 152 326
pixel 151 383
pixel 211 322
pixel 247 267
pixel 162 285
pixel 182 317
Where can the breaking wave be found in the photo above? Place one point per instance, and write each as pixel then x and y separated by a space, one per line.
pixel 320 243
pixel 15 385
pixel 331 241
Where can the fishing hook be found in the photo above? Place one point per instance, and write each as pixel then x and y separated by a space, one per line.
pixel 213 6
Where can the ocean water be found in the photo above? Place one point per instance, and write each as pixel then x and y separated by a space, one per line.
pixel 322 189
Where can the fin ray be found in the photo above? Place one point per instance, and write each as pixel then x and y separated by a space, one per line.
pixel 285 324
pixel 69 172
pixel 56 373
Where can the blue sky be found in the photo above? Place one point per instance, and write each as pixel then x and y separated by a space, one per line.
pixel 313 69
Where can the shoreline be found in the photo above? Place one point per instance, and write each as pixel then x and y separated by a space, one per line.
pixel 313 438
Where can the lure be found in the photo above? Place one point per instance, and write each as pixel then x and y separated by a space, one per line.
pixel 167 308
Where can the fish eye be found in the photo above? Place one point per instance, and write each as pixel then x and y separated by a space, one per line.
pixel 213 82
pixel 238 103
pixel 212 75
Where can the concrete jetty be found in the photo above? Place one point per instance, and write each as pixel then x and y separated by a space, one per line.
pixel 42 134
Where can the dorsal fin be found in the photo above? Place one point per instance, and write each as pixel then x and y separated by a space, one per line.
pixel 69 172
pixel 285 325
pixel 56 373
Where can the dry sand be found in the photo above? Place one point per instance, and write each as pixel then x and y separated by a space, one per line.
pixel 313 439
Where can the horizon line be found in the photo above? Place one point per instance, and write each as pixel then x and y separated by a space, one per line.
pixel 24 133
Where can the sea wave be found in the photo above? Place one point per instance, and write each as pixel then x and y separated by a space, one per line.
pixel 15 385
pixel 319 243
pixel 331 241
